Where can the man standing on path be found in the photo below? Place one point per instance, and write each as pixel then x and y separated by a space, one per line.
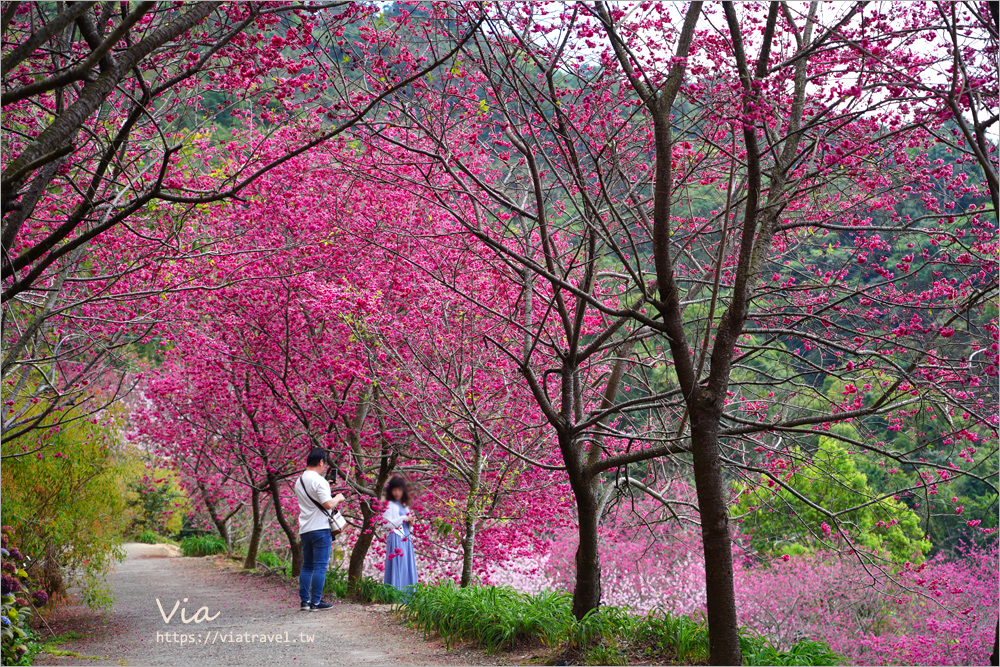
pixel 315 507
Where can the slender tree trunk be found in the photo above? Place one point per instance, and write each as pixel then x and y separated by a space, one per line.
pixel 468 550
pixel 587 595
pixel 220 523
pixel 356 565
pixel 290 532
pixel 250 563
pixel 723 638
pixel 469 541
pixel 387 463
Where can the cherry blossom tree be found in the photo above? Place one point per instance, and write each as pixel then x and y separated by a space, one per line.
pixel 118 122
pixel 758 191
pixel 494 473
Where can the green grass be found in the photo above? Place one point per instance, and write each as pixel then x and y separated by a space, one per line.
pixel 758 650
pixel 52 646
pixel 205 545
pixel 499 618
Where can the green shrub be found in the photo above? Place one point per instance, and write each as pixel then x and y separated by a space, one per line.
pixel 371 590
pixel 206 545
pixel 271 560
pixel 336 583
pixel 146 537
pixel 365 590
pixel 68 504
pixel 758 650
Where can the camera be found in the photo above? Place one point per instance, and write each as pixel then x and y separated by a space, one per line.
pixel 332 474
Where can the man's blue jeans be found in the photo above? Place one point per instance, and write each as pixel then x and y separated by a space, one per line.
pixel 316 547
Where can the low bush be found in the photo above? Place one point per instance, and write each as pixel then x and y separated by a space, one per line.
pixel 206 545
pixel 146 537
pixel 336 583
pixel 368 589
pixel 500 618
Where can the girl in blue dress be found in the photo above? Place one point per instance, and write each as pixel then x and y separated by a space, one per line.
pixel 400 564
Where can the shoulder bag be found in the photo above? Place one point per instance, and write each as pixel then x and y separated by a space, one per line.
pixel 337 520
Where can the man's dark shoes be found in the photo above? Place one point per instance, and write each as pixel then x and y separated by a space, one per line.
pixel 320 606
pixel 304 606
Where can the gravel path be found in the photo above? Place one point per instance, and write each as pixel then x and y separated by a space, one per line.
pixel 255 621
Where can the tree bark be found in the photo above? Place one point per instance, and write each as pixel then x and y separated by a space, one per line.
pixel 220 523
pixel 386 464
pixel 250 563
pixel 469 541
pixel 723 636
pixel 587 594
pixel 468 549
pixel 291 533
pixel 356 565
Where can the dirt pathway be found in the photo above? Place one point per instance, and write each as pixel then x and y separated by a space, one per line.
pixel 255 621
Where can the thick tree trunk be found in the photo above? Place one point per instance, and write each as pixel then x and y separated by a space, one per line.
pixel 290 532
pixel 723 638
pixel 250 562
pixel 587 594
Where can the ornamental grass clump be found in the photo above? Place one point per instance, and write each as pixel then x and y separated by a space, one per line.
pixel 494 617
pixel 205 545
pixel 499 618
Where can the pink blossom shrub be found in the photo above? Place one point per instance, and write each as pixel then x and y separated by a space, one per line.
pixel 945 614
pixel 941 612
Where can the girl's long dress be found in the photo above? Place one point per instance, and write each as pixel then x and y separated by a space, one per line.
pixel 400 563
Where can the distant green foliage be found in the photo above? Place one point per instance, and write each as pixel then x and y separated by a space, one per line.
pixel 780 522
pixel 500 618
pixel 157 503
pixel 206 545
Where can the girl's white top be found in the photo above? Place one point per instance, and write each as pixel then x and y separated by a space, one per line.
pixel 393 516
